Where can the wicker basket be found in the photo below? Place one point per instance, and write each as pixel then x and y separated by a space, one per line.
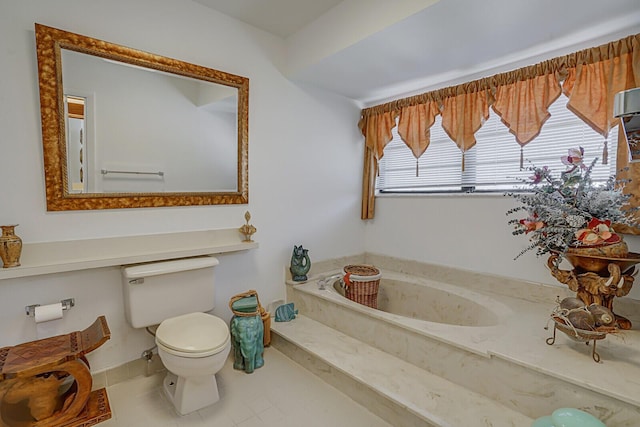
pixel 362 283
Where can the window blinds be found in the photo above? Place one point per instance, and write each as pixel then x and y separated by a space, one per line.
pixel 493 164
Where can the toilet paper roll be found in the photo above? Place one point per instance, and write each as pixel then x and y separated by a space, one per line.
pixel 48 323
pixel 45 313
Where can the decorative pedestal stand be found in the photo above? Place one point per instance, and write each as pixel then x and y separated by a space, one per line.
pixel 47 383
pixel 598 279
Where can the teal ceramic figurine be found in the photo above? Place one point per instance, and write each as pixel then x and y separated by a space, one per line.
pixel 300 264
pixel 247 334
pixel 568 417
pixel 285 313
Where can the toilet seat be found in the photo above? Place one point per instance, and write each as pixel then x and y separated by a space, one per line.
pixel 193 335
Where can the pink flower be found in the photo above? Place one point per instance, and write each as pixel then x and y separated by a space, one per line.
pixel 539 175
pixel 531 224
pixel 574 158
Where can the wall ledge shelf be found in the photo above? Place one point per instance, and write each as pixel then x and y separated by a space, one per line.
pixel 75 255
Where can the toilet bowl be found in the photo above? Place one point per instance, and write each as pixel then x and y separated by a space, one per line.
pixel 193 347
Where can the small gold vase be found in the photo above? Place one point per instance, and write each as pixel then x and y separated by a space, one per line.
pixel 10 246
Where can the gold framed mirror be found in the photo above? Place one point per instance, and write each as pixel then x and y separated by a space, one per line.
pixel 107 145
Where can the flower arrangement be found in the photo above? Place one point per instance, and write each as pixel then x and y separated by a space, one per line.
pixel 569 210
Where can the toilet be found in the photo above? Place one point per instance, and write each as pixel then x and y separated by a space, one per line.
pixel 192 344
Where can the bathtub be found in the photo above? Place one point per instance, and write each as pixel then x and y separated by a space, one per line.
pixel 433 302
pixel 484 333
pixel 408 305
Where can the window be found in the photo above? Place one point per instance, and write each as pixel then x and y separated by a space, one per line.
pixel 493 164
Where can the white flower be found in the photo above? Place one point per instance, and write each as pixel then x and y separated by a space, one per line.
pixel 575 220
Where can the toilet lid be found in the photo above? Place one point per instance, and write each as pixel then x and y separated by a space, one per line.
pixel 193 333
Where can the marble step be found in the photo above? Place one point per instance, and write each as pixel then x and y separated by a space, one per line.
pixel 395 390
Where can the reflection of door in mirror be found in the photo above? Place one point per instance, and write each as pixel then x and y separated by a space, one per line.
pixel 74 107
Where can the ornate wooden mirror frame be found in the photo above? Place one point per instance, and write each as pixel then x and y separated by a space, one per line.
pixel 49 42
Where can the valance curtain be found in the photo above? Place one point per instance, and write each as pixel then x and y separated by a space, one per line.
pixel 590 79
pixel 463 114
pixel 414 124
pixel 523 106
pixel 598 75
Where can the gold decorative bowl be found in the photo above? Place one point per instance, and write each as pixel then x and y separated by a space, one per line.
pixel 599 263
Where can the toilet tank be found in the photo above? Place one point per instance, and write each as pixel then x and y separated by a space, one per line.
pixel 157 291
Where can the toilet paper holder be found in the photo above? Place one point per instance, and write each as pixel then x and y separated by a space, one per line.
pixel 66 305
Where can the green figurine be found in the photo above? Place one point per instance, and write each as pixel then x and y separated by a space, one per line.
pixel 247 334
pixel 286 313
pixel 300 263
pixel 568 417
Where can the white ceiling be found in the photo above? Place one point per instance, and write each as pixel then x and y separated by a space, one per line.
pixel 279 17
pixel 445 43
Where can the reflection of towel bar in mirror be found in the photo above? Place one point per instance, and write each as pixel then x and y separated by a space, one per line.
pixel 106 171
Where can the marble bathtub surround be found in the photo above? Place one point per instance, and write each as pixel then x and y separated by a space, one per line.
pixel 493 284
pixel 529 291
pixel 509 361
pixel 486 314
pixel 398 391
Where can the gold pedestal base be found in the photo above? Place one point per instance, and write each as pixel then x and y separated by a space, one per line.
pixel 613 278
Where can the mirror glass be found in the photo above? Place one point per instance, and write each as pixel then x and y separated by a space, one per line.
pixel 124 128
pixel 631 126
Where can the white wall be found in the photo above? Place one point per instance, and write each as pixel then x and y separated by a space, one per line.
pixel 463 231
pixel 304 163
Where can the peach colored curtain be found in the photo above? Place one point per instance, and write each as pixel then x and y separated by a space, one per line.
pixel 599 74
pixel 462 116
pixel 523 106
pixel 414 124
pixel 369 184
pixel 376 129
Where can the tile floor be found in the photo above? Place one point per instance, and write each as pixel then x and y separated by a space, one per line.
pixel 281 393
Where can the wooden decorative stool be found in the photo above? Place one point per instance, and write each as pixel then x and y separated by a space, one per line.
pixel 47 382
